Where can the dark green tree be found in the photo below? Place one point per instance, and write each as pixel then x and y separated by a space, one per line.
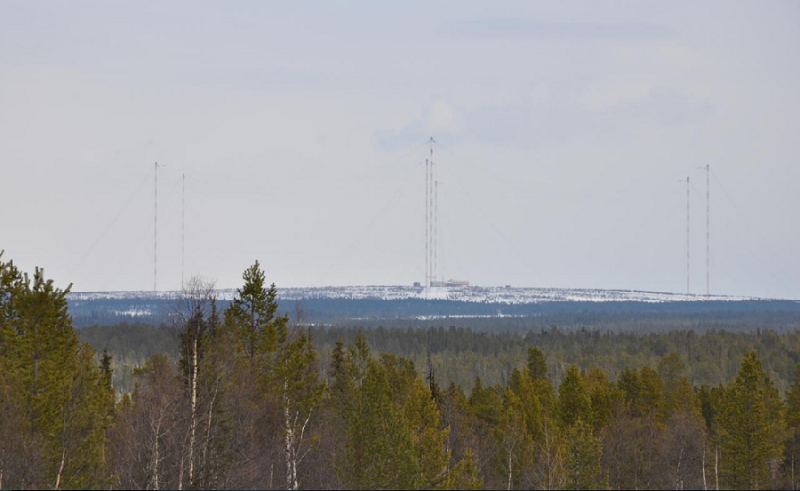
pixel 751 427
pixel 574 402
pixel 584 469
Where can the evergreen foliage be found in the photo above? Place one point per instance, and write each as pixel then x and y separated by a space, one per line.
pixel 247 399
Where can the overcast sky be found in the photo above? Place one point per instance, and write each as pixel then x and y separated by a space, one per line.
pixel 562 132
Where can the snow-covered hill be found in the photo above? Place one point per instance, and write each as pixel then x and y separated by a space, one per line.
pixel 482 294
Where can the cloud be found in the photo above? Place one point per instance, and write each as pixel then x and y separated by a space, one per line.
pixel 440 118
pixel 508 28
pixel 535 120
pixel 663 106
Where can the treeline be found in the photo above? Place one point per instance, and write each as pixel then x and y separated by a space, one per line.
pixel 130 345
pixel 247 404
pixel 460 354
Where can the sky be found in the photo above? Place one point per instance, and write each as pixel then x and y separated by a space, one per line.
pixel 562 131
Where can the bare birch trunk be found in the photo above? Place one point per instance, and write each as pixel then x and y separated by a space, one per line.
pixel 208 428
pixel 703 464
pixel 180 473
pixel 510 470
pixel 60 470
pixel 193 424
pixel 156 457
pixel 289 437
pixel 716 466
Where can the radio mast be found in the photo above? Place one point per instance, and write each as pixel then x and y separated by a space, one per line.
pixel 155 231
pixel 687 234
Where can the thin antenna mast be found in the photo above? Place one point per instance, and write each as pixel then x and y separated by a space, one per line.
pixel 687 235
pixel 183 224
pixel 435 226
pixel 155 231
pixel 427 216
pixel 430 208
pixel 708 229
pixel 430 226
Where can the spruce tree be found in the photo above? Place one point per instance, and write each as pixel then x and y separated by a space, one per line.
pixel 574 402
pixel 792 452
pixel 55 402
pixel 537 364
pixel 751 427
pixel 430 439
pixel 465 474
pixel 584 468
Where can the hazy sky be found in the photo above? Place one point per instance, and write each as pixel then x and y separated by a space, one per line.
pixel 563 131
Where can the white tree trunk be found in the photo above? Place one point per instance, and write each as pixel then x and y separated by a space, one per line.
pixel 208 428
pixel 510 467
pixel 156 457
pixel 180 473
pixel 60 470
pixel 193 424
pixel 703 464
pixel 289 449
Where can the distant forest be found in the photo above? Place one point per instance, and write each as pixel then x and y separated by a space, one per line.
pixel 241 396
pixel 461 354
pixel 780 315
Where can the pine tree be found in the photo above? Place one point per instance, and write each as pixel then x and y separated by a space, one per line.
pixel 465 474
pixel 603 396
pixel 584 455
pixel 377 449
pixel 515 443
pixel 537 364
pixel 792 453
pixel 430 439
pixel 380 448
pixel 485 403
pixel 574 401
pixel 751 428
pixel 51 390
pixel 296 379
pixel 253 316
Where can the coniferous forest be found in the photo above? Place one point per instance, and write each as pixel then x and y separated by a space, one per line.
pixel 242 398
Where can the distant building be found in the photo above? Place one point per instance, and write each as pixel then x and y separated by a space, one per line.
pixel 450 283
pixel 417 284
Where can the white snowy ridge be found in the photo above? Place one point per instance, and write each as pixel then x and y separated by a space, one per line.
pixel 481 294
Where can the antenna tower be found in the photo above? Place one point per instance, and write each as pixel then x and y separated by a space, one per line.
pixel 708 229
pixel 183 224
pixel 435 227
pixel 427 216
pixel 155 231
pixel 431 260
pixel 687 235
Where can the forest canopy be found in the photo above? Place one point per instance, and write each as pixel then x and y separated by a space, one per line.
pixel 242 397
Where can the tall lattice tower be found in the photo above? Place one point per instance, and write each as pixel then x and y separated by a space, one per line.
pixel 426 284
pixel 436 230
pixel 708 229
pixel 688 186
pixel 183 225
pixel 155 230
